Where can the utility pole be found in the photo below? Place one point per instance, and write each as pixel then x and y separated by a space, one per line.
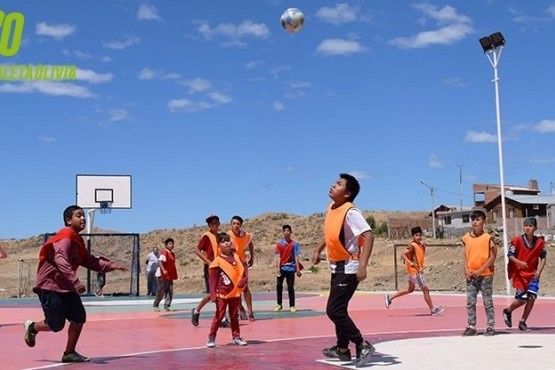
pixel 432 190
pixel 460 184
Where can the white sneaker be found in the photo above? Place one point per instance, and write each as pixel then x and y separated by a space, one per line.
pixel 211 342
pixel 239 341
pixel 436 311
pixel 387 301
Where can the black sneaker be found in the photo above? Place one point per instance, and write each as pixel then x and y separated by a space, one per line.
pixel 364 352
pixel 333 352
pixel 74 357
pixel 522 326
pixel 30 338
pixel 508 318
pixel 194 317
pixel 469 332
pixel 490 332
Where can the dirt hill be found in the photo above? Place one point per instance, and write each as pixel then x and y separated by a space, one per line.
pixel 443 261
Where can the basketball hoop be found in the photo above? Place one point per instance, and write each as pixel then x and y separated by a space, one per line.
pixel 105 207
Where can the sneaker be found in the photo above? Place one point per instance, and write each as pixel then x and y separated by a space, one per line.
pixel 211 342
pixel 508 317
pixel 364 352
pixel 194 317
pixel 30 338
pixel 490 332
pixel 238 341
pixel 436 311
pixel 278 308
pixel 74 357
pixel 169 309
pixel 469 332
pixel 251 316
pixel 522 326
pixel 387 301
pixel 333 352
pixel 156 309
pixel 243 314
pixel 293 309
pixel 225 323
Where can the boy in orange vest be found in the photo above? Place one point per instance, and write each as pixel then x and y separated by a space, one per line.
pixel 479 257
pixel 166 274
pixel 413 257
pixel 228 277
pixel 348 240
pixel 526 262
pixel 58 285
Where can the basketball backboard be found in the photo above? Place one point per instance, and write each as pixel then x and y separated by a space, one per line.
pixel 101 191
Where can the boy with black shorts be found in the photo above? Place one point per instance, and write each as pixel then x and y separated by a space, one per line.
pixel 58 285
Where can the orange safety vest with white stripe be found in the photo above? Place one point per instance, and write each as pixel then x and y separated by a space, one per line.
pixel 333 225
pixel 214 242
pixel 234 273
pixel 240 243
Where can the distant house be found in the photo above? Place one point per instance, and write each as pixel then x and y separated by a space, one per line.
pixel 485 193
pixel 453 221
pixel 519 206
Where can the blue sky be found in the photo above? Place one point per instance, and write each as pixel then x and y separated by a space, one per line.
pixel 212 107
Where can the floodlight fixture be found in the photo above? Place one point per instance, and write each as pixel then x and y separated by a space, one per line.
pixel 493 41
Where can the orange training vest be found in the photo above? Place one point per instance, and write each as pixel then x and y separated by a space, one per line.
pixel 235 274
pixel 417 257
pixel 333 223
pixel 214 243
pixel 240 243
pixel 477 252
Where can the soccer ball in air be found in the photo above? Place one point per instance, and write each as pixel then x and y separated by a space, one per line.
pixel 292 20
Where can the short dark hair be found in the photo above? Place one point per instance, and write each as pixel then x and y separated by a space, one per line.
pixel 223 237
pixel 416 230
pixel 531 221
pixel 212 218
pixel 168 241
pixel 68 212
pixel 352 185
pixel 238 218
pixel 284 227
pixel 478 214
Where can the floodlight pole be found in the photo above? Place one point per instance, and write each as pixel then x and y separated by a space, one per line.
pixel 432 190
pixel 494 55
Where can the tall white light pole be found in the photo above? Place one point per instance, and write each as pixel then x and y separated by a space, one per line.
pixel 493 46
pixel 432 190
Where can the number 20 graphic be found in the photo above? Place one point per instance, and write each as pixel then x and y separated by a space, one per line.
pixel 11 26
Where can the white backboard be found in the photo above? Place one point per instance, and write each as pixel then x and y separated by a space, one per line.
pixel 92 190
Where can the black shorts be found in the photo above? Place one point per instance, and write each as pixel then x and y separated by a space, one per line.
pixel 59 307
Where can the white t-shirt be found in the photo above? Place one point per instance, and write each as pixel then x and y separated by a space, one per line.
pixel 152 261
pixel 353 226
pixel 162 258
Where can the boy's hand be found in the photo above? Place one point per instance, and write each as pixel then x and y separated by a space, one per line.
pixel 81 289
pixel 121 268
pixel 299 273
pixel 315 257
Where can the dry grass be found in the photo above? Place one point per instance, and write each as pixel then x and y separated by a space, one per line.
pixel 444 263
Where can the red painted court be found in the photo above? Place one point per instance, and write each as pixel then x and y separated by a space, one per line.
pixel 124 333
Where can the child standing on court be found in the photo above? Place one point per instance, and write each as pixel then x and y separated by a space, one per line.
pixel 480 251
pixel 287 252
pixel 58 285
pixel 413 257
pixel 228 277
pixel 527 257
pixel 348 240
pixel 166 274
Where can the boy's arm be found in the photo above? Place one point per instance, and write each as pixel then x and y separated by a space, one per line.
pixel 245 279
pixel 465 262
pixel 541 265
pixel 405 256
pixel 297 264
pixel 200 253
pixel 365 255
pixel 317 252
pixel 251 252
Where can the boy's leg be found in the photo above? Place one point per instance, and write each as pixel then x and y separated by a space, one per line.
pixel 487 297
pixel 73 333
pixel 159 292
pixel 471 297
pixel 77 317
pixel 248 299
pixel 342 288
pixel 219 315
pixel 169 293
pixel 234 304
pixel 279 288
pixel 528 308
pixel 290 279
pixel 403 292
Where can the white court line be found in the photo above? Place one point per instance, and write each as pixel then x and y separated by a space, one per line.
pixel 137 302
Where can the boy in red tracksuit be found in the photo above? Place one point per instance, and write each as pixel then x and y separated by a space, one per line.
pixel 228 277
pixel 526 262
pixel 166 274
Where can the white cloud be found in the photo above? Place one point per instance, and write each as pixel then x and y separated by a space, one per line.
pixel 452 27
pixel 188 106
pixel 480 137
pixel 148 12
pixel 152 74
pixel 539 160
pixel 551 10
pixel 341 13
pixel 545 126
pixel 47 139
pixel 278 106
pixel 219 97
pixel 434 161
pixel 48 88
pixel 120 45
pixel 57 31
pixel 93 77
pixel 233 33
pixel 197 85
pixel 455 82
pixel 277 70
pixel 77 53
pixel 118 114
pixel 359 174
pixel 253 64
pixel 340 47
